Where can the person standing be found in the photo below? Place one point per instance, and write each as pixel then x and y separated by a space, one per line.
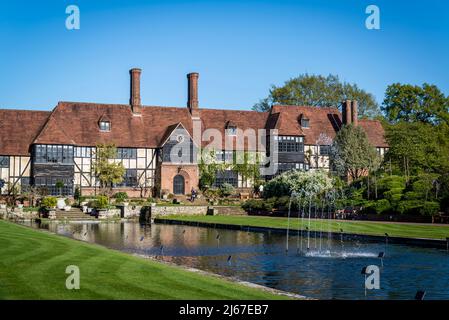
pixel 261 190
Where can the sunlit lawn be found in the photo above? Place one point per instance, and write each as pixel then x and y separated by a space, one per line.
pixel 357 227
pixel 33 264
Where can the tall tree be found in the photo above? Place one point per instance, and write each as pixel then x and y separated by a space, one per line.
pixel 108 171
pixel 352 153
pixel 409 103
pixel 417 147
pixel 319 91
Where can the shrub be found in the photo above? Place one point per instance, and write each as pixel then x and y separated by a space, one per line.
pixel 257 205
pixel 151 200
pixel 312 182
pixel 120 196
pixel 101 202
pixel 430 208
pixel 391 182
pixel 392 197
pixel 49 202
pixel 412 207
pixel 369 207
pixel 423 185
pixel 411 195
pixel 382 206
pixel 282 202
pixel 227 189
pixel 211 193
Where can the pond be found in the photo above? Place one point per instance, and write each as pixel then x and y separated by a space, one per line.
pixel 260 257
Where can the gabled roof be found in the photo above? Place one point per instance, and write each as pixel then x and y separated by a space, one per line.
pixel 170 130
pixel 375 132
pixel 244 120
pixel 18 129
pixel 325 121
pixel 77 123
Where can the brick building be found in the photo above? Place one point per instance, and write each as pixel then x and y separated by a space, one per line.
pixel 41 148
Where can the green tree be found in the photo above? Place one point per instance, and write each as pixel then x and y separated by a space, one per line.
pixel 418 147
pixel 319 91
pixel 209 166
pixel 108 171
pixel 352 153
pixel 409 103
pixel 247 164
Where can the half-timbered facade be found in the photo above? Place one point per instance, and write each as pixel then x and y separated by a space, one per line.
pixel 158 145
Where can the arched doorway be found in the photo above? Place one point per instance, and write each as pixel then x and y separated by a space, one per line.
pixel 178 184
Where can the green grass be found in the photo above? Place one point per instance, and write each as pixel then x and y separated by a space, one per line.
pixel 358 227
pixel 33 264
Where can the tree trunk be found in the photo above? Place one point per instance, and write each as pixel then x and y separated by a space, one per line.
pixel 375 186
pixel 367 179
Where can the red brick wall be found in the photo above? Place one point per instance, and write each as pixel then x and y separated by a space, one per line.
pixel 189 172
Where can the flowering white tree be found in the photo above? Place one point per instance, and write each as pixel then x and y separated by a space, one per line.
pixel 306 183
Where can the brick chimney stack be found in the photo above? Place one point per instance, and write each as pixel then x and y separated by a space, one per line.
pixel 192 102
pixel 354 113
pixel 346 112
pixel 134 101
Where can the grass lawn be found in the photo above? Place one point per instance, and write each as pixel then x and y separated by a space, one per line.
pixel 33 264
pixel 359 227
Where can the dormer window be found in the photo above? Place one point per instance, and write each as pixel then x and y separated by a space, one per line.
pixel 305 123
pixel 105 126
pixel 231 129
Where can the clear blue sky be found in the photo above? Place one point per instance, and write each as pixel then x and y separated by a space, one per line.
pixel 239 48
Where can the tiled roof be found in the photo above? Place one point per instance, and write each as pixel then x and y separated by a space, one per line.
pixel 244 120
pixel 77 123
pixel 325 121
pixel 375 132
pixel 18 128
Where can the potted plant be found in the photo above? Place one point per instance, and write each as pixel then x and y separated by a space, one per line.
pixel 48 204
pixel 165 193
pixel 121 197
pixel 67 207
pixel 102 203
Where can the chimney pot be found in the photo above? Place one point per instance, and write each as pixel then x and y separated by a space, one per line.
pixel 192 102
pixel 135 100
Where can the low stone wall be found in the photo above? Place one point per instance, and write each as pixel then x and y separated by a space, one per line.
pixel 178 210
pixel 18 213
pixel 228 211
pixel 109 214
pixel 195 210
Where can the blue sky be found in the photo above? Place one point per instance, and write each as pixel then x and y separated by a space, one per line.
pixel 239 48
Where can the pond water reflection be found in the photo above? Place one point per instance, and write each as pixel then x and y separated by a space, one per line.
pixel 260 257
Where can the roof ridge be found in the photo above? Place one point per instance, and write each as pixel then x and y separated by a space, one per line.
pixel 308 107
pixel 27 110
pixel 45 127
